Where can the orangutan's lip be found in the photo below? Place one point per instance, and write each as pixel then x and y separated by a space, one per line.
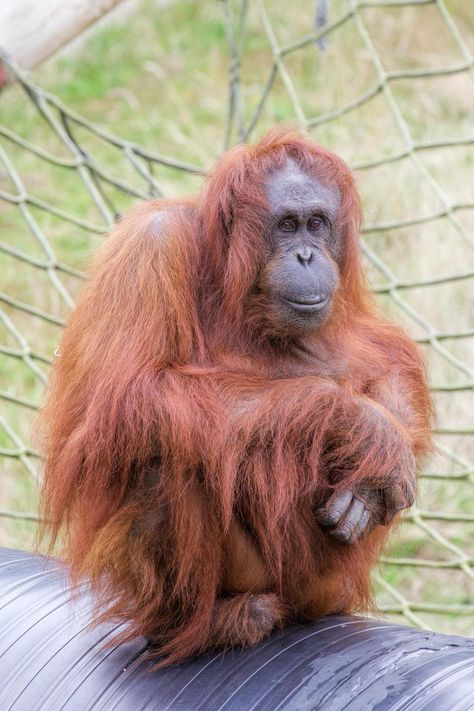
pixel 315 304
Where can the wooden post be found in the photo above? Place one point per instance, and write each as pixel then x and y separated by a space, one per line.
pixel 32 30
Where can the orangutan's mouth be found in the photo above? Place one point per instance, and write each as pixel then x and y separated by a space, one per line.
pixel 309 304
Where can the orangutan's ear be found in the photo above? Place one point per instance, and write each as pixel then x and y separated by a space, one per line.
pixel 226 183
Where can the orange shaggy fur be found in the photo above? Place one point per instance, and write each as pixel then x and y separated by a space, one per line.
pixel 187 446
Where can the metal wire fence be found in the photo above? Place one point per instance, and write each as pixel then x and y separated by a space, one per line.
pixel 419 257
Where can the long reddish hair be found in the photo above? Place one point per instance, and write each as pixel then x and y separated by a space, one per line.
pixel 167 416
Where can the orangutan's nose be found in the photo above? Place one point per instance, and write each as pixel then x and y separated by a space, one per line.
pixel 304 254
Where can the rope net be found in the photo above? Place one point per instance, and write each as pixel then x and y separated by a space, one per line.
pixel 368 83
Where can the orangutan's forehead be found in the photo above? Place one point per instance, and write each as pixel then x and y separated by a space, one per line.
pixel 290 184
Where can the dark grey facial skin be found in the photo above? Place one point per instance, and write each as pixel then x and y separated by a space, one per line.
pixel 302 273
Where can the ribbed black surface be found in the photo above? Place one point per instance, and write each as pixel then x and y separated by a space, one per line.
pixel 49 661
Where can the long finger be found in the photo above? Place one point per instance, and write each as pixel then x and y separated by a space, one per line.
pixel 334 509
pixel 397 498
pixel 365 525
pixel 345 530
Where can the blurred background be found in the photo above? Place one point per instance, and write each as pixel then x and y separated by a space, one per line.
pixel 141 104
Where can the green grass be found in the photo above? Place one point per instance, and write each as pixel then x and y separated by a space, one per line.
pixel 161 80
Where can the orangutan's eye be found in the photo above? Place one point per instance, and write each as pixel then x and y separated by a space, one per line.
pixel 315 222
pixel 288 224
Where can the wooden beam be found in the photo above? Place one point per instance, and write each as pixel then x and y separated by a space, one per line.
pixel 32 30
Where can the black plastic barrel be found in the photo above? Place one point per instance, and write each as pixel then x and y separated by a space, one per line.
pixel 49 660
